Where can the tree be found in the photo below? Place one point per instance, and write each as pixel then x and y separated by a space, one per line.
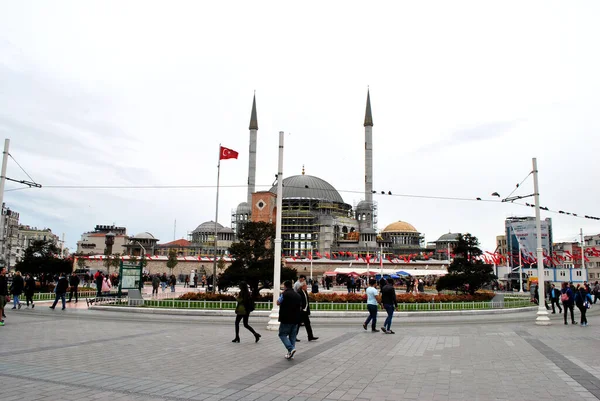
pixel 80 262
pixel 172 262
pixel 43 257
pixel 111 261
pixel 467 272
pixel 253 259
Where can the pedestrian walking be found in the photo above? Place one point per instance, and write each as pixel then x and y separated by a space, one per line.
pixel 29 289
pixel 371 305
pixel 245 306
pixel 583 301
pixel 73 286
pixel 567 298
pixel 155 284
pixel 16 289
pixel 3 293
pixel 172 282
pixel 596 291
pixel 389 302
pixel 61 290
pixel 554 298
pixel 186 282
pixel 163 282
pixel 315 287
pixel 305 313
pixel 195 280
pixel 106 286
pixel 289 316
pixel 99 280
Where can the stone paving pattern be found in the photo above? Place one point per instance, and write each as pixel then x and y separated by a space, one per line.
pixel 96 355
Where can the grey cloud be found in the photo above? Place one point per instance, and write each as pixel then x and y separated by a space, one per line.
pixel 473 134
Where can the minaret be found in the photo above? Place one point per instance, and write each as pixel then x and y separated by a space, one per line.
pixel 252 152
pixel 368 152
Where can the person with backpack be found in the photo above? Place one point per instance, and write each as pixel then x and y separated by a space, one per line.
pixel 567 299
pixel 16 289
pixel 596 291
pixel 245 305
pixel 583 301
pixel 155 284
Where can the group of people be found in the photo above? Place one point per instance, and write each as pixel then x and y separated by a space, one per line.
pixel 570 296
pixel 388 302
pixel 294 312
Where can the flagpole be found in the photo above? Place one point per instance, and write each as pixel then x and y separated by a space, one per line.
pixel 380 259
pixel 216 230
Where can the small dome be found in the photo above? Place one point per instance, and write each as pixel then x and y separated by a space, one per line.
pixel 400 226
pixel 207 227
pixel 144 235
pixel 308 187
pixel 225 230
pixel 450 237
pixel 363 205
pixel 243 208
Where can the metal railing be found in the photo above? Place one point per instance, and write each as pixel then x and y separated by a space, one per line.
pixel 49 296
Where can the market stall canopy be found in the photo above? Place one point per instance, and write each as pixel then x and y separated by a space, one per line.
pixel 409 272
pixel 330 274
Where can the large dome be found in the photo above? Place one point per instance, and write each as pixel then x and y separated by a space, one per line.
pixel 207 227
pixel 308 187
pixel 400 226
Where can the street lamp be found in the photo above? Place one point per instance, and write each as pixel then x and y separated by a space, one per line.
pixel 109 241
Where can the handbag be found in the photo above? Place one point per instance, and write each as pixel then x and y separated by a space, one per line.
pixel 564 297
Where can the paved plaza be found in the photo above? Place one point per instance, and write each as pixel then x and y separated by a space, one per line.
pixel 82 354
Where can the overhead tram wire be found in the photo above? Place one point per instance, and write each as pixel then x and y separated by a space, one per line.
pixel 433 197
pixel 26 173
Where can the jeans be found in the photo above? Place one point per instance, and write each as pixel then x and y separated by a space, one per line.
pixel 555 301
pixel 16 300
pixel 163 285
pixel 583 310
pixel 61 297
pixel 567 307
pixel 390 314
pixel 372 316
pixel 287 335
pixel 172 288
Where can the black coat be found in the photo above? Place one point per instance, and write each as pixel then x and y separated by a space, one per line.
pixel 30 286
pixel 74 281
pixel 62 285
pixel 304 302
pixel 17 285
pixel 3 286
pixel 289 309
pixel 388 295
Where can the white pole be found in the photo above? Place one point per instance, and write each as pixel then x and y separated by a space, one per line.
pixel 274 316
pixel 2 182
pixel 380 259
pixel 583 272
pixel 542 314
pixel 311 257
pixel 216 220
pixel 520 270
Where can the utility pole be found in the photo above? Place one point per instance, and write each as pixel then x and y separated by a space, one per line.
pixel 2 182
pixel 583 272
pixel 542 314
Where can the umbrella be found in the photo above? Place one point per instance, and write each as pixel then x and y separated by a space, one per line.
pixel 402 273
pixel 394 276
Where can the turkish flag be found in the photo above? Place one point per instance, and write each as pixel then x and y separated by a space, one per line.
pixel 227 153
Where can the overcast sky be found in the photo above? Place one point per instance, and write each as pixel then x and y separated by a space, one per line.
pixel 463 95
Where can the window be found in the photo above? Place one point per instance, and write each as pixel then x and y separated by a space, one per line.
pixel 562 274
pixel 579 273
pixel 546 273
pixel 591 275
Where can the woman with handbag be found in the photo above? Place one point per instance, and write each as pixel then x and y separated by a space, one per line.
pixel 567 299
pixel 245 305
pixel 583 300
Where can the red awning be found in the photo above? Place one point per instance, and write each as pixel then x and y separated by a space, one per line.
pixel 330 274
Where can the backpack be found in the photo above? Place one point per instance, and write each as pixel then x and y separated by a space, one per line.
pixel 251 306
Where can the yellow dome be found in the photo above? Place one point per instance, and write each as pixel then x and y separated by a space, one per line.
pixel 400 226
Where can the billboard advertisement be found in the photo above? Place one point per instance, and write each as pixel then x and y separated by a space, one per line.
pixel 526 234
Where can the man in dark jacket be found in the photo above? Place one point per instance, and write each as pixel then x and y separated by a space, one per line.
pixel 305 313
pixel 389 301
pixel 29 289
pixel 61 291
pixel 16 289
pixel 289 316
pixel 554 298
pixel 3 293
pixel 99 279
pixel 74 283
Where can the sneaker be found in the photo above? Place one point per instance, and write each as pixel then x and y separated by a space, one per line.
pixel 52 307
pixel 1 322
pixel 13 308
pixel 313 339
pixel 19 306
pixel 374 331
pixel 32 306
pixel 383 329
pixel 298 340
pixel 287 356
pixel 364 326
pixel 390 332
pixel 292 353
pixel 566 323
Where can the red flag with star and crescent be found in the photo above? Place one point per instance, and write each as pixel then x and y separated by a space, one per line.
pixel 227 153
